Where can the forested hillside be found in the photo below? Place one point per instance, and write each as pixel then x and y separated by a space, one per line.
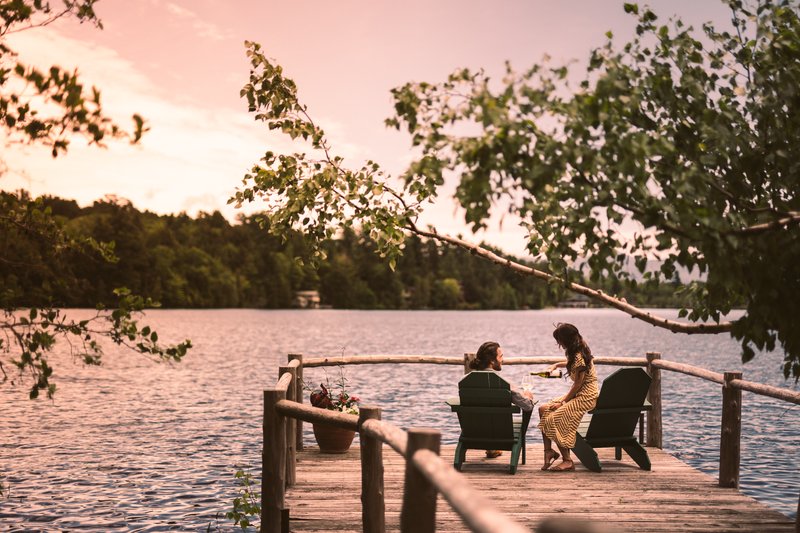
pixel 206 262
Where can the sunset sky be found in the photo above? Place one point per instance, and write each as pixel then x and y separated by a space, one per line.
pixel 181 64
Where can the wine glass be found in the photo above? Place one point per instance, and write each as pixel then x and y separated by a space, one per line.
pixel 527 383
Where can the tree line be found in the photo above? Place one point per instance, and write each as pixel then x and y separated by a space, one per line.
pixel 207 262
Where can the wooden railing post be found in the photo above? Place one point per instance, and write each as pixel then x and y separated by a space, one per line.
pixel 291 455
pixel 373 505
pixel 730 440
pixel 298 397
pixel 418 514
pixel 654 431
pixel 467 358
pixel 273 463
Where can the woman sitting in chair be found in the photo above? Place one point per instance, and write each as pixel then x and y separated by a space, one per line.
pixel 559 418
pixel 490 357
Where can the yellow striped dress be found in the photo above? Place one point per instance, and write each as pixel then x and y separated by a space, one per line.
pixel 560 425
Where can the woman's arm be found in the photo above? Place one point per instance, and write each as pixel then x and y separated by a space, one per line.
pixel 576 386
pixel 560 364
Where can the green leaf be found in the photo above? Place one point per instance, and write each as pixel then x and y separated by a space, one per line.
pixel 631 8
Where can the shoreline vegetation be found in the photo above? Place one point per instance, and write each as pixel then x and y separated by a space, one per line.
pixel 207 262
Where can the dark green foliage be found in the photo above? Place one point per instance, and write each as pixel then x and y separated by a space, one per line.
pixel 206 262
pixel 55 106
pixel 679 146
pixel 44 267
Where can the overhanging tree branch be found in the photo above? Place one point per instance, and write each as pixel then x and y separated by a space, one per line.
pixel 793 218
pixel 633 311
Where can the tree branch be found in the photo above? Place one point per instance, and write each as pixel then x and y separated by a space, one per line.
pixel 633 311
pixel 793 218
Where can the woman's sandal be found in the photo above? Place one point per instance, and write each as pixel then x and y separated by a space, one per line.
pixel 491 454
pixel 560 468
pixel 550 460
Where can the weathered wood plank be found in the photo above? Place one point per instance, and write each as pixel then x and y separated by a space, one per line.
pixel 671 497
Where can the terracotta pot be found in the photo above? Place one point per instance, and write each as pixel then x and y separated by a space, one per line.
pixel 332 439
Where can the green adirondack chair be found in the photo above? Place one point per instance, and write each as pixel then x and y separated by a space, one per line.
pixel 613 420
pixel 485 413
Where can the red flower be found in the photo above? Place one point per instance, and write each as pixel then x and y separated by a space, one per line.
pixel 324 399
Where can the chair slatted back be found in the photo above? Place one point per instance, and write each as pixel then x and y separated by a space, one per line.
pixel 618 406
pixel 486 408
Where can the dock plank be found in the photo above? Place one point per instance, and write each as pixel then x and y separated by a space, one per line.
pixel 673 496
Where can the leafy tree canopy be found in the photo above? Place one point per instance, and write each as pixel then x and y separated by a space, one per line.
pixel 687 136
pixel 50 108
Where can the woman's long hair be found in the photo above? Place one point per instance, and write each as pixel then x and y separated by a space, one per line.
pixel 485 356
pixel 569 338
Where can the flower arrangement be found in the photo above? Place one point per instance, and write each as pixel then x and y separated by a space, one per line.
pixel 326 397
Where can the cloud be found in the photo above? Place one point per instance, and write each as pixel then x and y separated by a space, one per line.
pixel 203 28
pixel 191 152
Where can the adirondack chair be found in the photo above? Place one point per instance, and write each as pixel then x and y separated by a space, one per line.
pixel 613 420
pixel 485 413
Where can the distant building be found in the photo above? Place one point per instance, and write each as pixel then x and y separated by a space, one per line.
pixel 579 301
pixel 306 299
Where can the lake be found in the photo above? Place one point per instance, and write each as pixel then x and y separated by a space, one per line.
pixel 139 446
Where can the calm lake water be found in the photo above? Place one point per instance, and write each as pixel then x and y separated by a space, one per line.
pixel 137 446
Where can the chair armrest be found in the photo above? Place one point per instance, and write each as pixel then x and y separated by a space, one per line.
pixel 478 409
pixel 526 418
pixel 618 410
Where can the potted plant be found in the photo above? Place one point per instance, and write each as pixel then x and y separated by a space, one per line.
pixel 332 439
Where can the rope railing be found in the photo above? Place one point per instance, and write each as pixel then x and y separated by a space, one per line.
pixel 426 473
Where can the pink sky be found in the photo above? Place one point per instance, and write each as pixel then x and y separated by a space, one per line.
pixel 181 64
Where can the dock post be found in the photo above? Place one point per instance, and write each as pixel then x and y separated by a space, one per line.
pixel 730 440
pixel 654 431
pixel 291 454
pixel 298 397
pixel 418 514
pixel 467 358
pixel 273 463
pixel 373 505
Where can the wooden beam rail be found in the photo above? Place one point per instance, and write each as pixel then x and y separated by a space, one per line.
pixel 767 390
pixel 690 370
pixel 445 360
pixel 389 434
pixel 283 383
pixel 286 404
pixel 426 475
pixel 381 359
pixel 317 415
pixel 476 511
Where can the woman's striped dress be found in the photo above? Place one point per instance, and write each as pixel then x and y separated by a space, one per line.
pixel 560 425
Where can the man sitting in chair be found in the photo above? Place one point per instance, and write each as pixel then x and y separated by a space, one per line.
pixel 490 357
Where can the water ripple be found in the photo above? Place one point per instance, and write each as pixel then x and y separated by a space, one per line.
pixel 134 446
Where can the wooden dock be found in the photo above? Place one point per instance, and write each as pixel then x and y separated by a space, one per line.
pixel 671 497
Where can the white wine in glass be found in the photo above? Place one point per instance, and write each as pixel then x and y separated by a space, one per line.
pixel 527 383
